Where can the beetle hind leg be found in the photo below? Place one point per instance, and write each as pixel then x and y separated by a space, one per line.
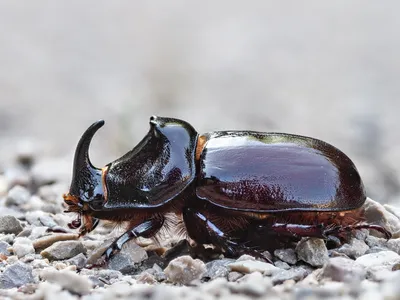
pixel 203 230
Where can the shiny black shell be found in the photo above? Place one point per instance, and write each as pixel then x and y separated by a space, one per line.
pixel 273 172
pixel 153 173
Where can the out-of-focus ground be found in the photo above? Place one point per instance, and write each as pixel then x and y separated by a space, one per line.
pixel 324 69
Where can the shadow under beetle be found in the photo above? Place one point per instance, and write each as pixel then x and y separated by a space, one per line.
pixel 241 191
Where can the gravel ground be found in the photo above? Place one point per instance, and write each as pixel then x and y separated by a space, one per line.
pixel 41 258
pixel 327 70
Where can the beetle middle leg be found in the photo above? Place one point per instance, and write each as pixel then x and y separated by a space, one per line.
pixel 147 228
pixel 203 230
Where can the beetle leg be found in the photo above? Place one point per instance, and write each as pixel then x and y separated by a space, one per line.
pixel 203 231
pixel 337 230
pixel 146 229
pixel 297 230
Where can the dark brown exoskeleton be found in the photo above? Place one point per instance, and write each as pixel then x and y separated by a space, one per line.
pixel 237 190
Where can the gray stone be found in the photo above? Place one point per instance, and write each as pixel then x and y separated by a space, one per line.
pixel 68 280
pixel 18 195
pixel 354 249
pixel 233 276
pixel 16 275
pixel 374 262
pixel 3 248
pixel 128 260
pixel 9 224
pixel 282 265
pixel 344 270
pixel 295 273
pixel 312 251
pixel 217 268
pixel 63 250
pixel 250 266
pixel 22 246
pixel 184 270
pixel 286 255
pixel 253 285
pixel 375 213
pixel 79 261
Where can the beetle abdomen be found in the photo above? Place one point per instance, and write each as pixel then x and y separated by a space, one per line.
pixel 270 172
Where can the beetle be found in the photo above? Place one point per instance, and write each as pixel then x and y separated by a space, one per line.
pixel 241 191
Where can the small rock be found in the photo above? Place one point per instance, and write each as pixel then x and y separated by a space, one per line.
pixel 312 251
pixel 184 270
pixel 38 232
pixel 375 262
pixel 354 249
pixel 18 195
pixel 47 241
pixel 63 250
pixel 126 261
pixel 79 261
pixel 146 277
pixel 8 238
pixel 3 248
pixel 250 266
pixel 286 255
pixel 22 246
pixel 233 276
pixel 9 224
pixel 16 275
pixel 217 268
pixel 47 290
pixel 295 273
pixel 375 213
pixel 282 265
pixel 253 285
pixel 343 270
pixel 68 280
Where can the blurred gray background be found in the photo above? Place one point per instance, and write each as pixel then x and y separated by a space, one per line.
pixel 324 69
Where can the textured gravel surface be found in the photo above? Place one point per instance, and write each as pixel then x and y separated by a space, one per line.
pixel 40 258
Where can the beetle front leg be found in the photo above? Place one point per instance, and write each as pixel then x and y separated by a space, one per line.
pixel 145 229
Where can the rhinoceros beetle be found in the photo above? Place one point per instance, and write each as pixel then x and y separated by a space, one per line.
pixel 241 191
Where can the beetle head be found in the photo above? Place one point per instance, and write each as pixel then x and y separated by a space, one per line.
pixel 86 190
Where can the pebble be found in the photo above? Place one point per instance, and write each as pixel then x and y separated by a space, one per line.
pixel 4 248
pixel 63 250
pixel 375 213
pixel 250 266
pixel 354 249
pixel 9 224
pixel 47 241
pixel 22 246
pixel 295 273
pixel 286 255
pixel 282 265
pixel 128 260
pixel 253 285
pixel 375 262
pixel 343 270
pixel 184 270
pixel 312 251
pixel 18 195
pixel 217 268
pixel 16 275
pixel 79 261
pixel 68 280
pixel 3 185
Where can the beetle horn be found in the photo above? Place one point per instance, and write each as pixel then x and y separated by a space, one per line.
pixel 86 178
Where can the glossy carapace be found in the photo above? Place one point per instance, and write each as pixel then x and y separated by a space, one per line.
pixel 237 190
